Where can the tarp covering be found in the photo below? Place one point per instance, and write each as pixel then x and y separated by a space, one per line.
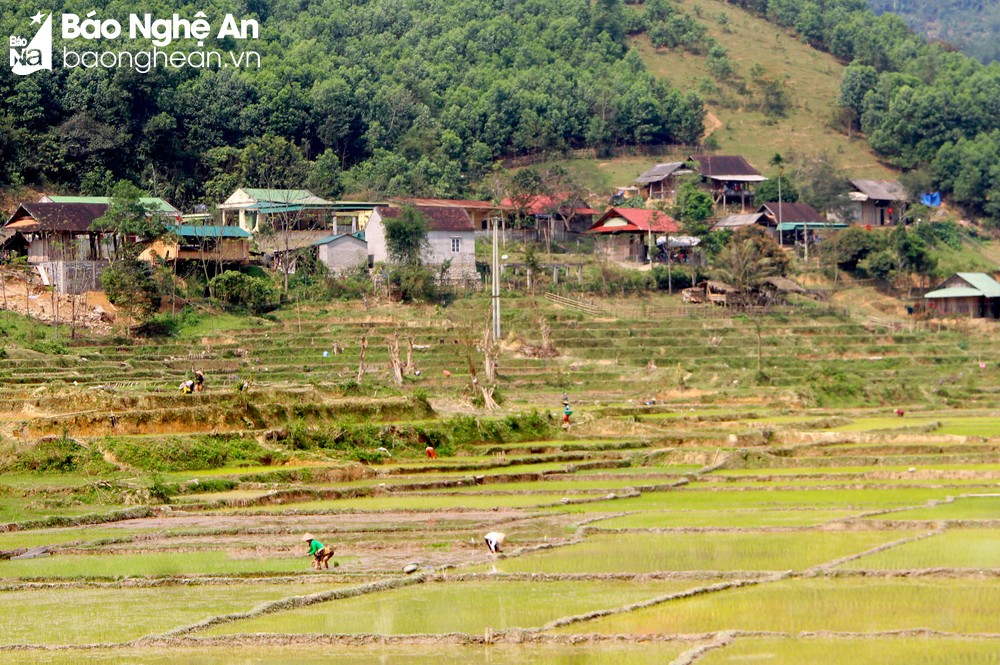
pixel 932 199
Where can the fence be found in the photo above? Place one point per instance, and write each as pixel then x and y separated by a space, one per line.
pixel 679 151
pixel 72 277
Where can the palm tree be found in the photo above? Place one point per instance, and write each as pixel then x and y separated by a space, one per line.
pixel 743 267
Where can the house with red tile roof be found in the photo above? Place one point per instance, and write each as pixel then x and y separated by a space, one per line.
pixel 562 213
pixel 627 232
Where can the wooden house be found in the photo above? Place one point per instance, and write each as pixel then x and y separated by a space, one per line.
pixel 452 238
pixel 965 294
pixel 628 232
pixel 662 180
pixel 211 243
pixel 728 178
pixel 878 202
pixel 59 243
pixel 60 231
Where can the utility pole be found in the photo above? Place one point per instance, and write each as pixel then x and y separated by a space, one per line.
pixel 495 272
pixel 780 243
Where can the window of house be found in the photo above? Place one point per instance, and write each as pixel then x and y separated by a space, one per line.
pixel 456 245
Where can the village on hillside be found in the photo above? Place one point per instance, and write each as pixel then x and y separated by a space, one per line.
pixel 642 224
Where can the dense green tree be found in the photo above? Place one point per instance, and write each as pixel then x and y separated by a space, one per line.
pixel 767 191
pixel 406 236
pixel 407 94
pixel 128 218
pixel 849 247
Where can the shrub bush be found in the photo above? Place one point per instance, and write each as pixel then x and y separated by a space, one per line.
pixel 238 290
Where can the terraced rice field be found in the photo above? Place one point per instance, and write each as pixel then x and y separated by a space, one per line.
pixel 734 518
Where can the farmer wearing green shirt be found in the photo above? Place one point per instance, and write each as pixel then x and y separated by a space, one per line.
pixel 321 555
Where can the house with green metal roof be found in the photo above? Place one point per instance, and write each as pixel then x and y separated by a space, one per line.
pixel 293 210
pixel 207 243
pixel 153 203
pixel 965 294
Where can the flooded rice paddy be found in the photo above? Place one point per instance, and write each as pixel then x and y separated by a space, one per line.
pixel 792 551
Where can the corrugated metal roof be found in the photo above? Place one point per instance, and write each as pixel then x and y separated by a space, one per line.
pixel 440 218
pixel 284 195
pixel 736 221
pixel 452 203
pixel 717 166
pixel 955 292
pixel 792 212
pixel 154 202
pixel 360 236
pixel 881 190
pixel 208 231
pixel 980 280
pixel 74 217
pixel 662 171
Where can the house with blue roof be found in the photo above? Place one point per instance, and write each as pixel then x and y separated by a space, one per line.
pixel 965 294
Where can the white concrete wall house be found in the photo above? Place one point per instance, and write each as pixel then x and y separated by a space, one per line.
pixel 341 253
pixel 452 236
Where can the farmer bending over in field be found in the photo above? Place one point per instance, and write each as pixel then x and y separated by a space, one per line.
pixel 187 387
pixel 321 555
pixel 494 539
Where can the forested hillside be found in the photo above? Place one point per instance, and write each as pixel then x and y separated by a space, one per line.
pixel 414 96
pixel 421 97
pixel 922 107
pixel 970 25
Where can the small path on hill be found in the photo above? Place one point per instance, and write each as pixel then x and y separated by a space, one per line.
pixel 712 123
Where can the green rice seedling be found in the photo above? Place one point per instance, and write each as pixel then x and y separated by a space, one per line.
pixel 94 615
pixel 662 519
pixel 832 499
pixel 986 507
pixel 851 651
pixel 445 653
pixel 821 604
pixel 955 548
pixel 153 564
pixel 851 482
pixel 40 537
pixel 883 423
pixel 416 502
pixel 969 426
pixel 465 607
pixel 22 509
pixel 592 485
pixel 644 552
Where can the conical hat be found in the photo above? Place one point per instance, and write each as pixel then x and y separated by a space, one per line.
pixel 308 537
